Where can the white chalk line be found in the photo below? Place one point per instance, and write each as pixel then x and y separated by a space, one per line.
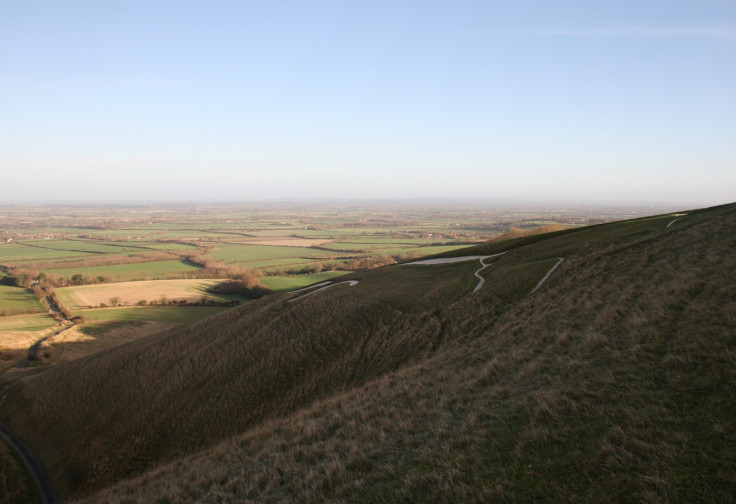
pixel 349 282
pixel 544 279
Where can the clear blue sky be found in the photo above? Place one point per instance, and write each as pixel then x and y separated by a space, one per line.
pixel 616 101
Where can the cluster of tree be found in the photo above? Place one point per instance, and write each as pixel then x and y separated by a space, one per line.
pixel 214 268
pixel 18 280
pixel 238 288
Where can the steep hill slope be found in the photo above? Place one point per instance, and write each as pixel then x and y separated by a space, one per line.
pixel 616 380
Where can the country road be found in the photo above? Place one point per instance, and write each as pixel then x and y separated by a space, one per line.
pixel 40 478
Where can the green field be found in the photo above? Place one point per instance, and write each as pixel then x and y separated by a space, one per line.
pixel 36 322
pixel 134 271
pixel 82 246
pixel 18 300
pixel 181 314
pixel 280 264
pixel 163 245
pixel 20 252
pixel 288 283
pixel 246 254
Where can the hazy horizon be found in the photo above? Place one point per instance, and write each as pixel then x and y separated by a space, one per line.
pixel 566 103
pixel 486 203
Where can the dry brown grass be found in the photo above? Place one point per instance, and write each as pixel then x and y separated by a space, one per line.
pixel 614 382
pixel 14 345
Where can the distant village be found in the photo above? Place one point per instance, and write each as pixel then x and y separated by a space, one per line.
pixel 8 237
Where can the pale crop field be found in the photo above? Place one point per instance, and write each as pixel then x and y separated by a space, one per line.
pixel 130 293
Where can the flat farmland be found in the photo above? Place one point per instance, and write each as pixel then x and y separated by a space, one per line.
pixel 163 245
pixel 245 254
pixel 132 272
pixel 289 241
pixel 34 322
pixel 18 300
pixel 36 252
pixel 130 293
pixel 80 246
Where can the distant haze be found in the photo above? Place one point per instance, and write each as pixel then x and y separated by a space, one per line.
pixel 572 101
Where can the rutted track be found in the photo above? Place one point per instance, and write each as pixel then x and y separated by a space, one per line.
pixel 38 473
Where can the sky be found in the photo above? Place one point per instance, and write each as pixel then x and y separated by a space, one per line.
pixel 555 101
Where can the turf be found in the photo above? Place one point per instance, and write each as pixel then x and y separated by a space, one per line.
pixel 20 252
pixel 134 271
pixel 246 254
pixel 36 322
pixel 14 300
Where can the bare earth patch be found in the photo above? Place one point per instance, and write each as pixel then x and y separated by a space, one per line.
pixel 130 293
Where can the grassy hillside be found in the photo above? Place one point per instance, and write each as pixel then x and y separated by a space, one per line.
pixel 614 381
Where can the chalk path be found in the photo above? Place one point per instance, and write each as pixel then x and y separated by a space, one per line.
pixel 349 282
pixel 544 279
pixel 678 218
pixel 449 260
